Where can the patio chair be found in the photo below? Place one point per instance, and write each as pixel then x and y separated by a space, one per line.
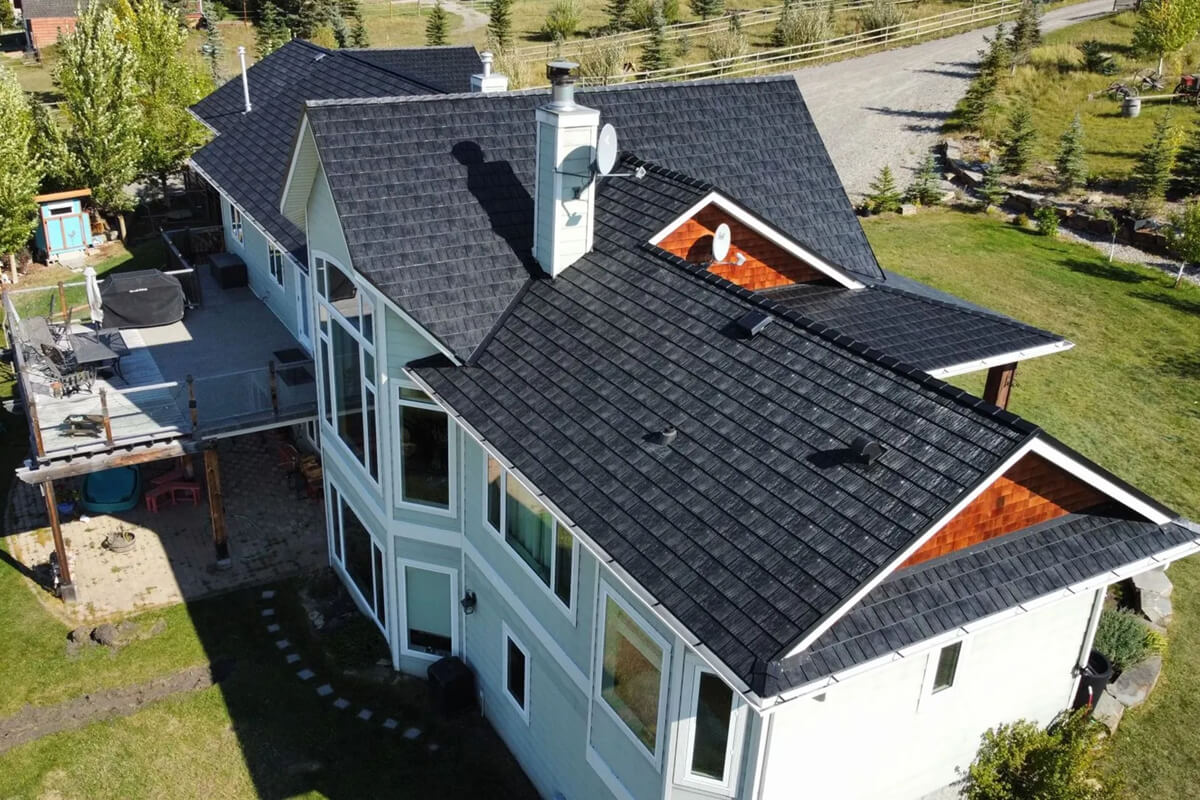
pixel 36 334
pixel 66 376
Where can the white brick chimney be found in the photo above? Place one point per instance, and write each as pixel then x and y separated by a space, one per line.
pixel 487 81
pixel 564 187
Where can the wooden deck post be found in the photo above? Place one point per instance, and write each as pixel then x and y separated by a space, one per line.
pixel 999 384
pixel 192 403
pixel 216 505
pixel 36 426
pixel 66 588
pixel 274 386
pixel 108 437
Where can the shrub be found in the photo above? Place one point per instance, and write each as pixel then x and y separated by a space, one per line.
pixel 562 20
pixel 604 62
pixel 1121 637
pixel 881 15
pixel 1046 218
pixel 1020 761
pixel 1095 59
pixel 991 190
pixel 730 43
pixel 1020 221
pixel 799 26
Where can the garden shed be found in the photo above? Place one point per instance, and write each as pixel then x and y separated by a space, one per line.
pixel 64 226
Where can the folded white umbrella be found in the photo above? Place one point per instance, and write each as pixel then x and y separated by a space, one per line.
pixel 93 295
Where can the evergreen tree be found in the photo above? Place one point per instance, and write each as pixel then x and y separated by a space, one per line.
pixel 618 15
pixel 20 168
pixel 272 32
pixel 312 15
pixel 996 58
pixel 884 195
pixel 96 75
pixel 706 9
pixel 1072 168
pixel 980 99
pixel 1019 140
pixel 213 48
pixel 1165 26
pixel 437 26
pixel 924 190
pixel 341 31
pixel 500 23
pixel 1026 33
pixel 657 53
pixel 358 34
pixel 1152 172
pixel 991 191
pixel 168 80
pixel 1187 164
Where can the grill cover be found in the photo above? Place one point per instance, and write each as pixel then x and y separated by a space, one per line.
pixel 141 299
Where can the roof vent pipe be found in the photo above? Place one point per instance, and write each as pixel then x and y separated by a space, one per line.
pixel 488 81
pixel 245 79
pixel 562 84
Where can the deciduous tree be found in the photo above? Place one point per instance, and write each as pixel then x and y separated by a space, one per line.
pixel 20 168
pixel 1165 26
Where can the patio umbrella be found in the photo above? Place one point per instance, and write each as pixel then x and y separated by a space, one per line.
pixel 93 295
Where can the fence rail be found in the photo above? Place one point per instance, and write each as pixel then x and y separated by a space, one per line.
pixel 781 58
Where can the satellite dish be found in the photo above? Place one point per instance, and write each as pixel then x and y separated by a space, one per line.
pixel 606 150
pixel 721 240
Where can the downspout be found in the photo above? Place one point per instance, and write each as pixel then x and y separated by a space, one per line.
pixel 1088 638
pixel 764 746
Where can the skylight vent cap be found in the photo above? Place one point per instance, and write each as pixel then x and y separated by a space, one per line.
pixel 752 323
pixel 866 451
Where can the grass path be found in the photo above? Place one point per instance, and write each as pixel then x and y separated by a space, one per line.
pixel 1127 396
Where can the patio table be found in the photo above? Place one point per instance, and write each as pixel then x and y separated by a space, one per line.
pixel 104 348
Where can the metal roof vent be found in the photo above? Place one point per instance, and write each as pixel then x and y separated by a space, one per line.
pixel 866 451
pixel 562 83
pixel 666 437
pixel 752 323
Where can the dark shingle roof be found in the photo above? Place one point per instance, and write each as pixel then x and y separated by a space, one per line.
pixel 916 329
pixel 35 9
pixel 749 529
pixel 936 597
pixel 435 196
pixel 249 157
pixel 447 69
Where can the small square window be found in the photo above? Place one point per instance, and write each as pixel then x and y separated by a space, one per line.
pixel 516 673
pixel 275 259
pixel 947 667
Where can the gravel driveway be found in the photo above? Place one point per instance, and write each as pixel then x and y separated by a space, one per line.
pixel 887 108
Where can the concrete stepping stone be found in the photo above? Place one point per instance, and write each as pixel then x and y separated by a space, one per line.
pixel 390 724
pixel 305 674
pixel 341 704
pixel 365 714
pixel 325 690
pixel 412 733
pixel 292 658
pixel 268 594
pixel 1136 683
pixel 283 644
pixel 268 612
pixel 272 628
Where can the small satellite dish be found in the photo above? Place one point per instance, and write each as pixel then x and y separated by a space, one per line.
pixel 721 240
pixel 606 150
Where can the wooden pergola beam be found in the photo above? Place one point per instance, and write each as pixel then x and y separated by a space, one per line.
pixel 999 384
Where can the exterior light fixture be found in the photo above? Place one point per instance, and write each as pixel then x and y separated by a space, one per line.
pixel 468 602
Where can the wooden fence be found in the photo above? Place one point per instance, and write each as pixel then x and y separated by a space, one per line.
pixel 782 58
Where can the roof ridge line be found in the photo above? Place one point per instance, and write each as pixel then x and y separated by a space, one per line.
pixel 351 54
pixel 855 346
pixel 966 309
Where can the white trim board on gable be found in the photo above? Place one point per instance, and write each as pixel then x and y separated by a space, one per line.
pixel 763 229
pixel 999 360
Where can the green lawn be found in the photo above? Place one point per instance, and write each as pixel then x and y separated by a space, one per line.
pixel 1058 87
pixel 1127 396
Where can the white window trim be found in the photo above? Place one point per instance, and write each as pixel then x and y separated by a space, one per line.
pixel 335 515
pixel 507 635
pixel 325 337
pixel 237 226
pixel 930 698
pixel 451 509
pixel 686 733
pixel 568 610
pixel 276 256
pixel 606 592
pixel 402 604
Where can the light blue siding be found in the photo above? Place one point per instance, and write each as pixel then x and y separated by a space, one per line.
pixel 254 251
pixel 324 229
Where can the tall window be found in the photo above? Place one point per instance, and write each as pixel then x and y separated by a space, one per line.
pixel 235 224
pixel 430 597
pixel 347 351
pixel 425 453
pixel 541 542
pixel 359 555
pixel 631 685
pixel 711 723
pixel 947 667
pixel 516 673
pixel 275 262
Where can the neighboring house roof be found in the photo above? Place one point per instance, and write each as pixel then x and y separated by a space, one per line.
pixel 435 196
pixel 57 9
pixel 917 329
pixel 752 527
pixel 447 69
pixel 249 157
pixel 939 596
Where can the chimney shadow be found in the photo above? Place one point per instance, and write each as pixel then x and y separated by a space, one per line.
pixel 503 197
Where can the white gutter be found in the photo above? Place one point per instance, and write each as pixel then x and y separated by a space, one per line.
pixel 1000 360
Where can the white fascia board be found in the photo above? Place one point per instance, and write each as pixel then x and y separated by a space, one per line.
pixel 913 547
pixel 203 122
pixel 999 360
pixel 245 215
pixel 1088 475
pixel 769 233
pixel 618 572
pixel 287 183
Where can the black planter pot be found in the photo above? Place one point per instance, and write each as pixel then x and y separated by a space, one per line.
pixel 1093 680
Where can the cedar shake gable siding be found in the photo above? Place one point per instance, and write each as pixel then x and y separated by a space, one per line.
pixel 1033 490
pixel 767 264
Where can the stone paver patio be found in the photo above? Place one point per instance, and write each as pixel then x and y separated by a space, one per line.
pixel 273 533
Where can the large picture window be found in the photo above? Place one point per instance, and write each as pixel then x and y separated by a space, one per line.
pixel 359 555
pixel 632 673
pixel 347 351
pixel 426 470
pixel 532 532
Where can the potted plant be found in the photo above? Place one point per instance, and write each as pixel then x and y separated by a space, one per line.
pixel 121 540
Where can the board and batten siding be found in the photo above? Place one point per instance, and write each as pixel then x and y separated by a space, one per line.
pixel 254 251
pixel 881 736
